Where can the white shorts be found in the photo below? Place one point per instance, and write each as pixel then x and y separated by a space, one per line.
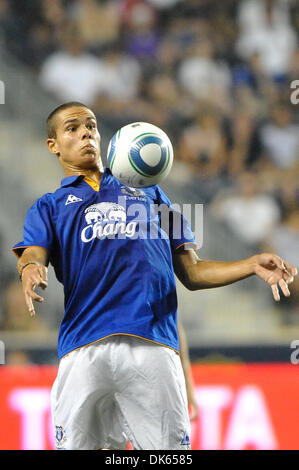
pixel 118 389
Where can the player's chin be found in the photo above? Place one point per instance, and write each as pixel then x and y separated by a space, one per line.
pixel 89 160
pixel 89 155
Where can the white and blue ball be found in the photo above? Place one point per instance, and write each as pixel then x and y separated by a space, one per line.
pixel 140 155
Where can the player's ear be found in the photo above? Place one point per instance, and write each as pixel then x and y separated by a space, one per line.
pixel 52 146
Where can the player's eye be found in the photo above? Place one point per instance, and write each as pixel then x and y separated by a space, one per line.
pixel 71 129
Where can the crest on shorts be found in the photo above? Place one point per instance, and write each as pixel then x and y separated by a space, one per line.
pixel 186 440
pixel 60 437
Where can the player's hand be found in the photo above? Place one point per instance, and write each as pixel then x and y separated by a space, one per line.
pixel 276 272
pixel 193 409
pixel 33 276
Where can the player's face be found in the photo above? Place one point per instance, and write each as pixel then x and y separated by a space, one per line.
pixel 77 139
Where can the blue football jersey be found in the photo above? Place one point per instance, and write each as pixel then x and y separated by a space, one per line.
pixel 111 248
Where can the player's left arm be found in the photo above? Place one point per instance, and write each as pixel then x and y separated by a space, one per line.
pixel 196 273
pixel 186 365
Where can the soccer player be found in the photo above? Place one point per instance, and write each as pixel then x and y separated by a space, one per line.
pixel 120 376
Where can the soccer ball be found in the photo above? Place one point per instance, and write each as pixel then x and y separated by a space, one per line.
pixel 140 155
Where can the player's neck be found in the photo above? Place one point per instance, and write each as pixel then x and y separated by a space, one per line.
pixel 94 173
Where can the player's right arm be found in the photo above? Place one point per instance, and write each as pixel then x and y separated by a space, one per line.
pixel 32 268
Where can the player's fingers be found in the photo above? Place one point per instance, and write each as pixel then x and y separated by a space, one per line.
pixel 291 269
pixel 277 261
pixel 193 412
pixel 35 280
pixel 284 287
pixel 43 271
pixel 29 304
pixel 275 292
pixel 34 295
pixel 38 280
pixel 288 278
pixel 42 283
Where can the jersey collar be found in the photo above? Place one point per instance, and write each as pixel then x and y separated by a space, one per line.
pixel 69 180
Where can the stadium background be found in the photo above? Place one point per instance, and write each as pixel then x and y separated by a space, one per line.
pixel 216 76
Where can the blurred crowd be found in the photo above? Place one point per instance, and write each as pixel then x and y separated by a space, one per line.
pixel 215 75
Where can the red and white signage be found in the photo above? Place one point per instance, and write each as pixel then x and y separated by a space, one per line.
pixel 241 406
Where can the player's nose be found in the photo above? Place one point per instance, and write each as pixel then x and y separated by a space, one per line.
pixel 86 133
